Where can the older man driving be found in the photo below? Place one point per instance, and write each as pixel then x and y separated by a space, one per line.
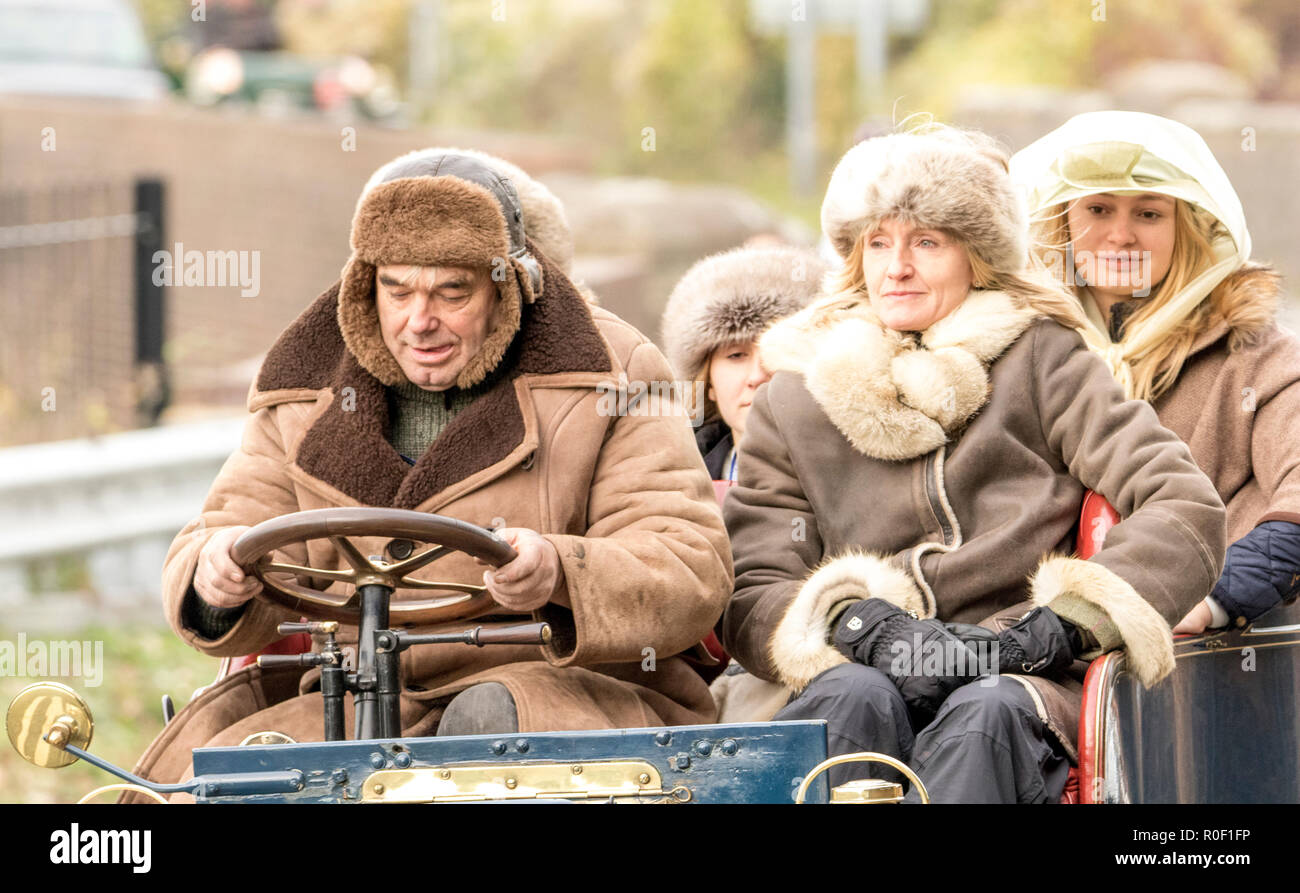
pixel 455 369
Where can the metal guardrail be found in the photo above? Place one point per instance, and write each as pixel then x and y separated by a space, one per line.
pixel 117 500
pixel 61 232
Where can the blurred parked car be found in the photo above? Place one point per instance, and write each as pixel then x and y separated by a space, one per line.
pixel 278 81
pixel 76 48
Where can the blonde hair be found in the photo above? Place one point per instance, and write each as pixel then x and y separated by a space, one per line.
pixel 707 412
pixel 1033 289
pixel 1194 233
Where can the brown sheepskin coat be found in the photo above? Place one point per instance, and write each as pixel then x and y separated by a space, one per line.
pixel 945 475
pixel 1236 403
pixel 625 500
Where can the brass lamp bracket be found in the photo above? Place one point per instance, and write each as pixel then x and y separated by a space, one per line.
pixel 869 791
pixel 587 780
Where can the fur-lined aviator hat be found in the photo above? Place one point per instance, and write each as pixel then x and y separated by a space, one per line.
pixel 437 208
pixel 734 297
pixel 544 217
pixel 938 178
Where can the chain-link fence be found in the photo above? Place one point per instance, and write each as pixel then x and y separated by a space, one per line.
pixel 74 332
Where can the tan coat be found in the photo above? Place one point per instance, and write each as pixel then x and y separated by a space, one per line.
pixel 625 500
pixel 944 477
pixel 1236 403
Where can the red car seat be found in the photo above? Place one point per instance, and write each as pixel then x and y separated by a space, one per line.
pixel 1096 518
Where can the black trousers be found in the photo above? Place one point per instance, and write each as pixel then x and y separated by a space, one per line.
pixel 985 745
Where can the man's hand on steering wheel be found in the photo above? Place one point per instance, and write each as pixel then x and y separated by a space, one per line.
pixel 218 580
pixel 533 578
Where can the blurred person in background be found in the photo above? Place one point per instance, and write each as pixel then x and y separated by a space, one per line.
pixel 1137 217
pixel 711 326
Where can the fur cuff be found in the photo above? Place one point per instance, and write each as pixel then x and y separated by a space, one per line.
pixel 1147 638
pixel 800 647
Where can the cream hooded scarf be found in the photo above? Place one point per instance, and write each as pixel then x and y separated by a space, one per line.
pixel 1133 152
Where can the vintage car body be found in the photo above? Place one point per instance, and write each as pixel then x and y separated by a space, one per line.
pixel 1222 728
pixel 776 762
pixel 745 763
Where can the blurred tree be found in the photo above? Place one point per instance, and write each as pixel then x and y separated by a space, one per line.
pixel 375 30
pixel 839 108
pixel 372 29
pixel 161 18
pixel 689 79
pixel 1071 43
pixel 164 23
pixel 529 66
pixel 1281 19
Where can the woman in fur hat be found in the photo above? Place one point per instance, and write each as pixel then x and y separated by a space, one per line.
pixel 711 327
pixel 917 464
pixel 1134 213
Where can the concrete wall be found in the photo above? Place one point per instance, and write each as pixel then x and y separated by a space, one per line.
pixel 283 188
pixel 236 181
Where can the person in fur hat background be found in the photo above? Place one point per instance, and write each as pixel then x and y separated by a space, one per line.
pixel 455 369
pixel 912 477
pixel 711 325
pixel 1134 214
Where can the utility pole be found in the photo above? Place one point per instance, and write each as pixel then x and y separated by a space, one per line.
pixel 800 103
pixel 870 22
pixel 870 33
pixel 424 47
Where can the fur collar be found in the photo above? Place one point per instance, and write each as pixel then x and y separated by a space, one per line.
pixel 892 396
pixel 1243 308
pixel 346 446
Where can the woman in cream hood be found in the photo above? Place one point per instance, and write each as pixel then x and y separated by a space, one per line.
pixel 1135 215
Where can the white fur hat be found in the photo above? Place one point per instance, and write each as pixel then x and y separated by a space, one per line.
pixel 735 296
pixel 942 178
pixel 544 219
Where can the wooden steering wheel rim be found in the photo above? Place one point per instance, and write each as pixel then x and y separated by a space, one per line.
pixel 253 551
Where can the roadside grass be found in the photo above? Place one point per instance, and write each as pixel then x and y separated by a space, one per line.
pixel 141 663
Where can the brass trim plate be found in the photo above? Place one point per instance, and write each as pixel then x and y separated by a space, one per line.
pixel 868 790
pixel 40 708
pixel 514 781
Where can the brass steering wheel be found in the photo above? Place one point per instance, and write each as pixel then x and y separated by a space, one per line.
pixel 446 535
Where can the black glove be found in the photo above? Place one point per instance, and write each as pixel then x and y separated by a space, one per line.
pixel 1041 642
pixel 924 660
pixel 976 637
